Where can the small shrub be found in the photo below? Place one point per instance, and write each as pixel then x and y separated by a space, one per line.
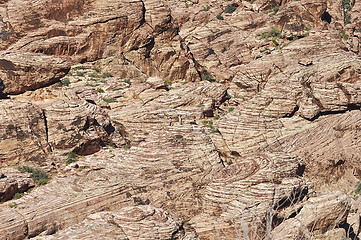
pixel 127 147
pixel 275 32
pixel 100 90
pixel 94 75
pixel 207 77
pixel 358 188
pixel 347 5
pixel 128 82
pixel 65 82
pixel 37 174
pixel 219 17
pixel 96 69
pixel 343 35
pixel 117 88
pixel 18 195
pixel 110 100
pixel 208 123
pixel 214 130
pixel 230 8
pixel 106 75
pixel 91 84
pixel 80 68
pixel 71 157
pixel 347 18
pixel 79 74
pixel 206 8
pixel 13 205
pixel 307 28
pixel 230 109
pixel 216 117
pixel 275 42
pixel 111 144
pixel 168 84
pixel 273 11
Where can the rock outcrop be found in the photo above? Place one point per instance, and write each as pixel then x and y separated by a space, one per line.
pixel 23 133
pixel 139 222
pixel 11 182
pixel 20 72
pixel 180 119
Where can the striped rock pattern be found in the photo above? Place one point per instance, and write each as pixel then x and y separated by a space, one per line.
pixel 139 222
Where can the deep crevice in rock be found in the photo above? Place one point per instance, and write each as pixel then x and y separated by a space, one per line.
pixel 350 107
pixel 46 129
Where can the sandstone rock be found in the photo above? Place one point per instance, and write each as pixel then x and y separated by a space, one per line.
pixel 12 182
pixel 140 34
pixel 139 222
pixel 23 133
pixel 241 196
pixel 181 105
pixel 167 177
pixel 232 154
pixel 21 72
pixel 318 215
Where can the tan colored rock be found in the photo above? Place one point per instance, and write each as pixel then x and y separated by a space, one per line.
pixel 152 109
pixel 318 215
pixel 20 72
pixel 12 182
pixel 139 222
pixel 23 134
pixel 241 196
pixel 167 177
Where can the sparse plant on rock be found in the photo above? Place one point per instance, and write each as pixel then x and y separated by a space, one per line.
pixel 230 8
pixel 106 75
pixel 220 17
pixel 100 90
pixel 65 82
pixel 343 35
pixel 207 77
pixel 71 157
pixel 79 74
pixel 37 174
pixel 126 147
pixel 109 100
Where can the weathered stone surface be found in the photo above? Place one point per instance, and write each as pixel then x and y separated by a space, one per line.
pixel 140 34
pixel 278 106
pixel 20 72
pixel 139 222
pixel 153 109
pixel 170 177
pixel 12 182
pixel 241 197
pixel 23 134
pixel 318 215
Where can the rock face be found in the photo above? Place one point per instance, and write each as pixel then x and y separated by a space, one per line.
pixel 318 215
pixel 180 119
pixel 12 182
pixel 139 222
pixel 23 133
pixel 20 72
